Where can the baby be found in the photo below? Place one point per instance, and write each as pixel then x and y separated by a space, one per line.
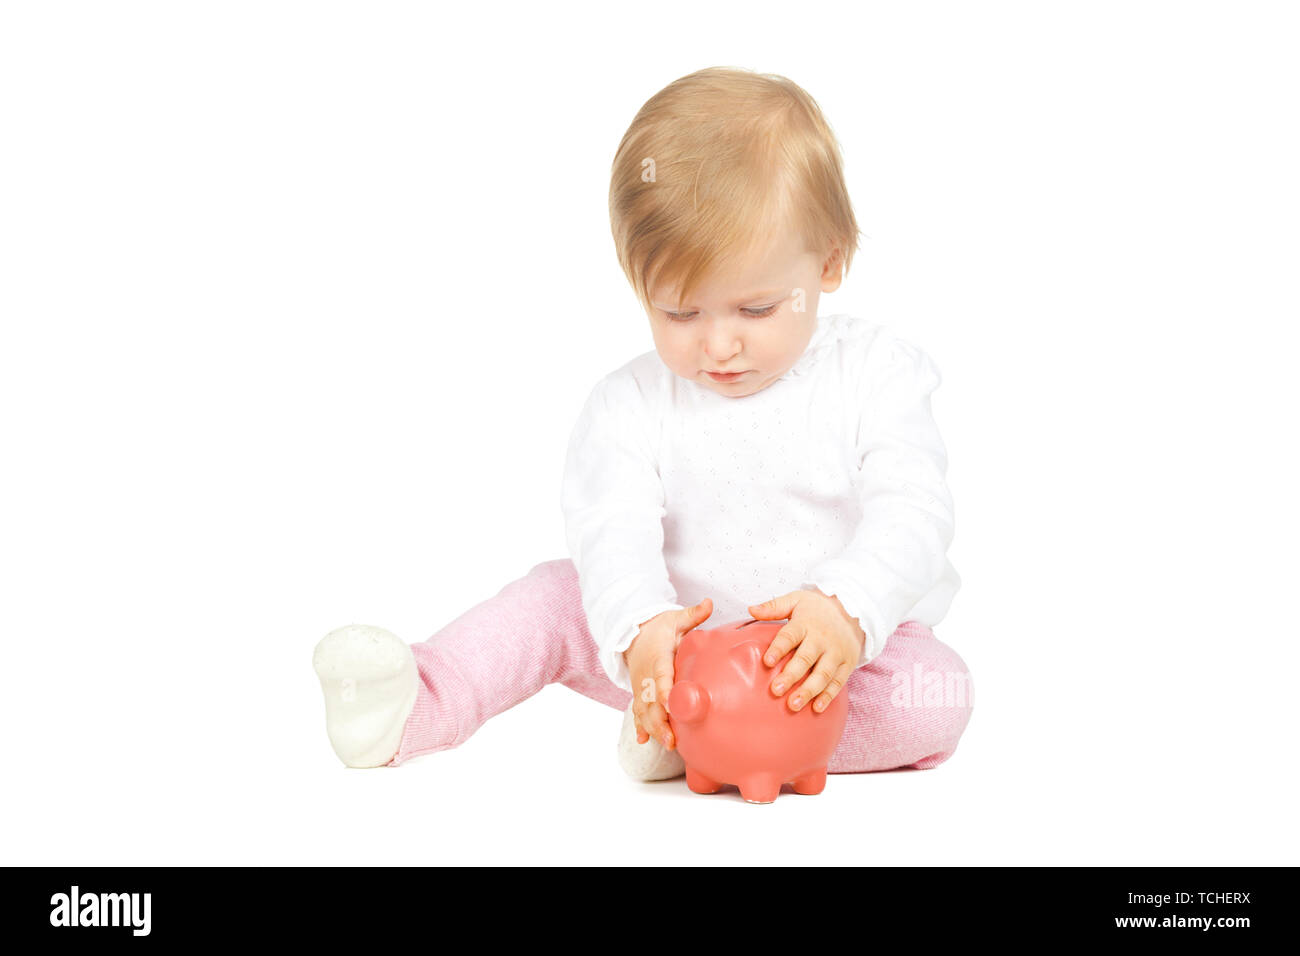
pixel 783 465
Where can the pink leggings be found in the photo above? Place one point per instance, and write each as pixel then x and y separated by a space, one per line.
pixel 907 708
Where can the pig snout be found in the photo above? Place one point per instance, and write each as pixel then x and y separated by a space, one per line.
pixel 688 702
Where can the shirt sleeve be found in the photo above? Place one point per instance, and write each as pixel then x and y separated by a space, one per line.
pixel 613 503
pixel 898 551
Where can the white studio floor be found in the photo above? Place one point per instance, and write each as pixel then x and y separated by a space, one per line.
pixel 540 785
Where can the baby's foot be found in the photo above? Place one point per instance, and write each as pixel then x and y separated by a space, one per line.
pixel 369 678
pixel 647 761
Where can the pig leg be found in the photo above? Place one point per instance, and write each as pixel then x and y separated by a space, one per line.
pixel 811 783
pixel 760 787
pixel 533 632
pixel 699 783
pixel 907 708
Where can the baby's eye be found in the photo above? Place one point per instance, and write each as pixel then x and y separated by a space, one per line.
pixel 753 313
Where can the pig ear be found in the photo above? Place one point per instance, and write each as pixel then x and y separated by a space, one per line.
pixel 746 658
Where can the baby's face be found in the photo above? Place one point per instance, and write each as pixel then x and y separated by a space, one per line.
pixel 745 320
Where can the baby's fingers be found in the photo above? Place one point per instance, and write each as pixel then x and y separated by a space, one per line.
pixel 656 724
pixel 639 720
pixel 801 661
pixel 842 675
pixel 663 679
pixel 787 638
pixel 825 680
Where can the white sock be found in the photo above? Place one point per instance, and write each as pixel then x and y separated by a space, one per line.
pixel 369 679
pixel 647 761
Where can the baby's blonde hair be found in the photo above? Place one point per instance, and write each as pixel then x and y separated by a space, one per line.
pixel 711 165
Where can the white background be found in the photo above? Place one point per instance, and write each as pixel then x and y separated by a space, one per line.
pixel 300 301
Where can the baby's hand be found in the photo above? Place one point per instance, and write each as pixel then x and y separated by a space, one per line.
pixel 828 641
pixel 650 659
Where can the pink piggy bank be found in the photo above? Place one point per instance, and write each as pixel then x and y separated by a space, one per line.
pixel 731 728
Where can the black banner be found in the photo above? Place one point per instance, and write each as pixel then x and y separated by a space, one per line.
pixel 335 906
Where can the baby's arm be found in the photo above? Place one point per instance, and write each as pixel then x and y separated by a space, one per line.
pixel 613 502
pixel 898 551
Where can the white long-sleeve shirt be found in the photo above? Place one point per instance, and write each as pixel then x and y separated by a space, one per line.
pixel 831 477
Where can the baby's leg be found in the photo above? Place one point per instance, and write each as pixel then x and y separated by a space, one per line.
pixel 907 708
pixel 501 652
